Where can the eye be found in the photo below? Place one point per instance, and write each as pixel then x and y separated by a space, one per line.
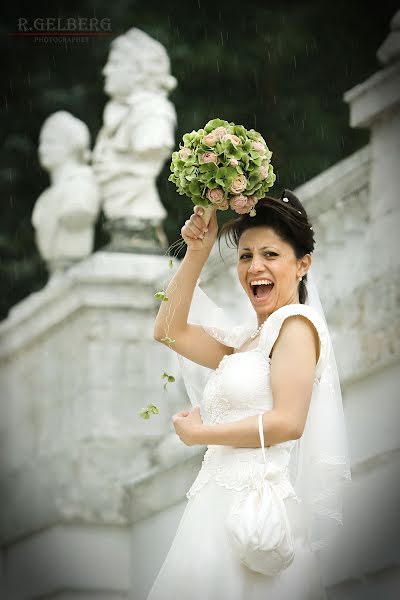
pixel 268 254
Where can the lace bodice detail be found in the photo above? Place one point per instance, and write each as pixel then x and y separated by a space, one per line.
pixel 239 388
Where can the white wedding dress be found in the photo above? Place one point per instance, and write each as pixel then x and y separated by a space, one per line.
pixel 201 563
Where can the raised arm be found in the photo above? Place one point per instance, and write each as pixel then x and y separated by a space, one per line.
pixel 190 341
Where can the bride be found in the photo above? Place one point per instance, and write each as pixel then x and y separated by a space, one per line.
pixel 284 370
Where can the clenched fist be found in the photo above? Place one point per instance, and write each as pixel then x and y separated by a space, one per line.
pixel 197 234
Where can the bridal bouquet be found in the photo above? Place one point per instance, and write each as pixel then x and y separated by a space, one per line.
pixel 223 165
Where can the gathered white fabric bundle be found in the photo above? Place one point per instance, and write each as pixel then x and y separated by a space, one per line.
pixel 258 523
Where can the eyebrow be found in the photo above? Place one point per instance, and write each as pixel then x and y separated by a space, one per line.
pixel 263 248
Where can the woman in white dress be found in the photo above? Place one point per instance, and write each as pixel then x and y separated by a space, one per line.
pixel 282 370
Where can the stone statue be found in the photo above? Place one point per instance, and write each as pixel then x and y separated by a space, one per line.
pixel 136 139
pixel 65 213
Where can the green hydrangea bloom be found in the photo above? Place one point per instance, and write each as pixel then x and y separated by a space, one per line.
pixel 214 156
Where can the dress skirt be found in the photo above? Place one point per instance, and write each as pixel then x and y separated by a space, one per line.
pixel 201 563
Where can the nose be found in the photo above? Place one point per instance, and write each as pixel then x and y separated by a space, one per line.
pixel 257 265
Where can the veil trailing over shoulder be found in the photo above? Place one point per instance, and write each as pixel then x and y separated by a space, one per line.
pixel 320 463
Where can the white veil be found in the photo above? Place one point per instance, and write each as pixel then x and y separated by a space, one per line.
pixel 320 463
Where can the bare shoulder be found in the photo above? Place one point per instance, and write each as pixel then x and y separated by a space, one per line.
pixel 297 334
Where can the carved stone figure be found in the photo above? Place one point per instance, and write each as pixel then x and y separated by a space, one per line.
pixel 136 138
pixel 65 213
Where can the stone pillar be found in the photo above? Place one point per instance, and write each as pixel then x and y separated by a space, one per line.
pixel 375 104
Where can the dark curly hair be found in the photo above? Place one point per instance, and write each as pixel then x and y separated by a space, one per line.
pixel 288 218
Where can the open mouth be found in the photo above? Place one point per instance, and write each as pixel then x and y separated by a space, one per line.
pixel 261 291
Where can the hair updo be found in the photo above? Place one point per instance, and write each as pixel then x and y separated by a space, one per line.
pixel 288 219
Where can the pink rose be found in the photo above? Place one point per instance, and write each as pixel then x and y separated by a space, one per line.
pixel 252 200
pixel 224 205
pixel 234 139
pixel 258 147
pixel 263 172
pixel 211 139
pixel 216 196
pixel 238 184
pixel 184 153
pixel 208 157
pixel 220 132
pixel 239 204
pixel 242 204
pixel 233 162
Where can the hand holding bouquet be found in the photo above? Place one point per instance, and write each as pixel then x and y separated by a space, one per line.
pixel 200 230
pixel 223 166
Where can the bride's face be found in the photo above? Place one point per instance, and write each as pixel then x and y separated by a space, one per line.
pixel 264 256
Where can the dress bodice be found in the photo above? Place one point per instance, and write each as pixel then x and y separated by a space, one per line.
pixel 239 388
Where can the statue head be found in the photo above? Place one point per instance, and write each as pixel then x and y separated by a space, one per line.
pixel 63 138
pixel 136 60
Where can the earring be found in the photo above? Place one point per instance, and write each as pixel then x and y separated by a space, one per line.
pixel 300 279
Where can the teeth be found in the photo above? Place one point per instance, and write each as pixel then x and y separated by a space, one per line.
pixel 261 282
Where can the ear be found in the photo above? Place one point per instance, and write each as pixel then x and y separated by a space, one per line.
pixel 303 264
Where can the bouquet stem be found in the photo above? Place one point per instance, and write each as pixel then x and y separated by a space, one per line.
pixel 208 210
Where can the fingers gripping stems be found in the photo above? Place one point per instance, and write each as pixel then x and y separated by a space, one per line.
pixel 206 213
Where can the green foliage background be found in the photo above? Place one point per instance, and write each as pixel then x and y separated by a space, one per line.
pixel 280 67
